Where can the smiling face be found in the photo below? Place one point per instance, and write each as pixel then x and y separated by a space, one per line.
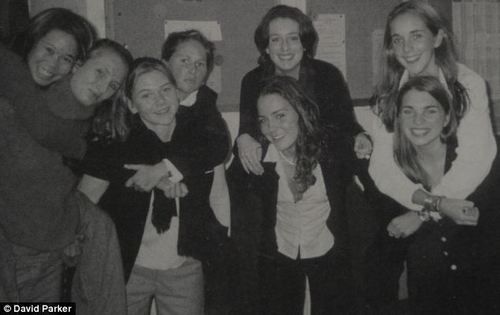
pixel 422 119
pixel 413 44
pixel 154 98
pixel 285 48
pixel 98 78
pixel 189 66
pixel 279 122
pixel 52 57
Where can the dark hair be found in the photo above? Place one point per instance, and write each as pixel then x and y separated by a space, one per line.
pixel 308 35
pixel 56 19
pixel 111 45
pixel 176 38
pixel 114 120
pixel 386 90
pixel 308 143
pixel 405 152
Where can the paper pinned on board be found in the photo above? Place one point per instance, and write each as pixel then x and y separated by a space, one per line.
pixel 331 45
pixel 211 29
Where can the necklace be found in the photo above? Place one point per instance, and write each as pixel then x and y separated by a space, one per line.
pixel 286 159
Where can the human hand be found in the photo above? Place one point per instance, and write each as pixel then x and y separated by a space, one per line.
pixel 404 225
pixel 462 212
pixel 146 177
pixel 362 146
pixel 250 153
pixel 172 190
pixel 73 251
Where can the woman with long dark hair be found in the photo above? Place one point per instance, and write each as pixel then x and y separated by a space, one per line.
pixel 295 210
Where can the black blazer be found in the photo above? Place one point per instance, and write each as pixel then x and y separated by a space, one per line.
pixel 254 199
pixel 321 81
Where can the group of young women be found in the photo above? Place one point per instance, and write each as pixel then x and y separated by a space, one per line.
pixel 153 158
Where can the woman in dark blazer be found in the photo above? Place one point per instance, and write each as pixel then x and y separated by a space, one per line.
pixel 293 215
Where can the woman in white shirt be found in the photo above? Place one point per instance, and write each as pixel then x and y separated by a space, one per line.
pixel 295 210
pixel 417 42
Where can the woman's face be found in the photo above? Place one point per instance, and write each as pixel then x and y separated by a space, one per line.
pixel 285 48
pixel 422 118
pixel 189 66
pixel 279 122
pixel 154 98
pixel 52 57
pixel 413 44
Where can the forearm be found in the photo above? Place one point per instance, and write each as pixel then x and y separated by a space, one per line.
pixel 475 154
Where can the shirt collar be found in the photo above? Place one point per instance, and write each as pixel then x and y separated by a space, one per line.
pixel 190 99
pixel 272 154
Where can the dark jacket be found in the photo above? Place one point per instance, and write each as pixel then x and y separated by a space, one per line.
pixel 212 142
pixel 321 81
pixel 199 230
pixel 254 198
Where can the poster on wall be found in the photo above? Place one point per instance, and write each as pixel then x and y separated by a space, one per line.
pixel 331 45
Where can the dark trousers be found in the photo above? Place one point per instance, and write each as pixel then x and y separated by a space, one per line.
pixel 282 283
pixel 442 271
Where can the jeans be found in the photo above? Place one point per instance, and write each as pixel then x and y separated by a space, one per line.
pixel 177 291
pixel 27 275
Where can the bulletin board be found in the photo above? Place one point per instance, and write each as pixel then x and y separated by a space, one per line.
pixel 140 25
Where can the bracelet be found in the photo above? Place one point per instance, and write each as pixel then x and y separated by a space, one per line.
pixel 424 215
pixel 433 203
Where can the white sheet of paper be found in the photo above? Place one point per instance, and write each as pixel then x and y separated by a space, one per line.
pixel 331 45
pixel 215 79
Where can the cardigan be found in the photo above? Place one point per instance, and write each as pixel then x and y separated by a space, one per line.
pixel 321 81
pixel 467 247
pixel 200 233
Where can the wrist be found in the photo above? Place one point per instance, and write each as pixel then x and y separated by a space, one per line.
pixel 432 203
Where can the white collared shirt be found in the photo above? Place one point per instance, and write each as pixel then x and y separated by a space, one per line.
pixel 159 251
pixel 301 226
pixel 190 99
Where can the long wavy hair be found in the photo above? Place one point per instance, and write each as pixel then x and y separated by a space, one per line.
pixel 309 141
pixel 405 153
pixel 113 121
pixel 386 91
pixel 307 33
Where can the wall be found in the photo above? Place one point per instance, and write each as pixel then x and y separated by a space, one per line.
pixel 139 24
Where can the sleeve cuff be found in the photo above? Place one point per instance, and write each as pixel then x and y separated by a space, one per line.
pixel 173 173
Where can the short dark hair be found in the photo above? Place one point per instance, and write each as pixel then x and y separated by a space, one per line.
pixel 56 19
pixel 176 38
pixel 108 44
pixel 308 35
